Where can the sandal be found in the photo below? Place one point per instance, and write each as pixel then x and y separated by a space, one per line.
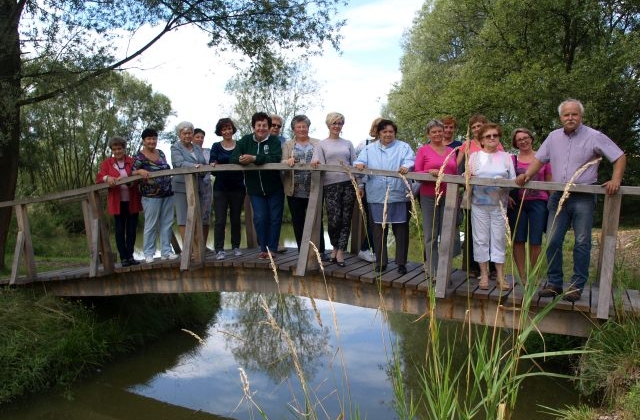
pixel 502 284
pixel 484 283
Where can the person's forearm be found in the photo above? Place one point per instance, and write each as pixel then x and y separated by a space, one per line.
pixel 618 169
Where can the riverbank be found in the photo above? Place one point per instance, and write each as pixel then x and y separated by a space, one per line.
pixel 48 342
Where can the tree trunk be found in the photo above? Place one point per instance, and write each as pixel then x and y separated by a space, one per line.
pixel 10 73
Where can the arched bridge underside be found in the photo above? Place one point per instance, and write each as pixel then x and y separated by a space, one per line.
pixel 355 284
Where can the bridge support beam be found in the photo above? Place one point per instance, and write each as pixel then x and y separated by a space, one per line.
pixel 97 235
pixel 308 259
pixel 449 231
pixel 193 245
pixel 24 246
pixel 607 252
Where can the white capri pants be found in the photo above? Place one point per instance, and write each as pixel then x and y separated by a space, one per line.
pixel 489 233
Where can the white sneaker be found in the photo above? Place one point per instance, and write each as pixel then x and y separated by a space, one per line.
pixel 148 260
pixel 169 256
pixel 220 255
pixel 367 255
pixel 237 252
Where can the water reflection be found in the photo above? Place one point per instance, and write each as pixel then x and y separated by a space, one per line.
pixel 274 333
pixel 347 368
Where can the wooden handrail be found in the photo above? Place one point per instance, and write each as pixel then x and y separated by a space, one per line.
pixel 457 179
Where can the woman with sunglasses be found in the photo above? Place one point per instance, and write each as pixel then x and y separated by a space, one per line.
pixel 489 205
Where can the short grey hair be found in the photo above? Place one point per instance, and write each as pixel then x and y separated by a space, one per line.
pixel 117 141
pixel 433 123
pixel 183 126
pixel 571 101
pixel 300 118
pixel 272 116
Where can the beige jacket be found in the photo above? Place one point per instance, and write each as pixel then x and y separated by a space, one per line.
pixel 287 152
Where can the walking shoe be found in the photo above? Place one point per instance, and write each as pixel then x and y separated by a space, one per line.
pixel 237 252
pixel 550 291
pixel 367 255
pixel 169 256
pixel 220 255
pixel 125 263
pixel 148 260
pixel 263 256
pixel 573 294
pixel 379 268
pixel 402 269
pixel 133 261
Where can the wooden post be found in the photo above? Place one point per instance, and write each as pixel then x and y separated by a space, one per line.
pixel 607 252
pixel 448 232
pixel 193 242
pixel 312 222
pixel 250 229
pixel 100 246
pixel 24 246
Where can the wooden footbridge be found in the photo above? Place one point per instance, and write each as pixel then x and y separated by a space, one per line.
pixel 453 295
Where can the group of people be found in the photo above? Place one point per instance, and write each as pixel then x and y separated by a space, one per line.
pixel 385 198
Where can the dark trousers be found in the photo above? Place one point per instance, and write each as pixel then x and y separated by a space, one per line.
pixel 298 209
pixel 126 225
pixel 400 232
pixel 227 202
pixel 339 199
pixel 368 237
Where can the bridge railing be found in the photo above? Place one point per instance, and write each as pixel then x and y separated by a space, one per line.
pixel 192 255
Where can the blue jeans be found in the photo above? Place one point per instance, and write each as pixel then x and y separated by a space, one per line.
pixel 576 212
pixel 158 215
pixel 267 218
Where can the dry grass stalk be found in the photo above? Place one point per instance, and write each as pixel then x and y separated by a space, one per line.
pixel 354 183
pixel 292 347
pixel 274 269
pixel 441 173
pixel 505 218
pixel 566 193
pixel 568 185
pixel 385 209
pixel 313 302
pixel 194 335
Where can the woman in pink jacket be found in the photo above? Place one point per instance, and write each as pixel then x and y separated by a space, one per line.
pixel 123 200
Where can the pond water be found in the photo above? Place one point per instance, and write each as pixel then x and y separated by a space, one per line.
pixel 345 368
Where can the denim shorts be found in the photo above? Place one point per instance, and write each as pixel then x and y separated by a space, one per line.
pixel 532 222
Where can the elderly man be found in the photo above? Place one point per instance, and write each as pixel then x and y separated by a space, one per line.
pixel 568 149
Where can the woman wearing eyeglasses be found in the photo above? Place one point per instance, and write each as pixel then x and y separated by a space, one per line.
pixel 339 193
pixel 489 203
pixel 528 212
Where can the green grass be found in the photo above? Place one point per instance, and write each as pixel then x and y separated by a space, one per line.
pixel 47 342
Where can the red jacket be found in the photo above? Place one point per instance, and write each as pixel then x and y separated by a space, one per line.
pixel 108 167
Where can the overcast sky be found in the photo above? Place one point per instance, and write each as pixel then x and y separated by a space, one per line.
pixel 354 82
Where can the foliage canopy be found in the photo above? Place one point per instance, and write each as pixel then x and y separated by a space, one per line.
pixel 515 61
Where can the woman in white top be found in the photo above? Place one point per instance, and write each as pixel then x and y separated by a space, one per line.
pixel 489 204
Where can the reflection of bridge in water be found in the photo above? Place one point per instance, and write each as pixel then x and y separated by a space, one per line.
pixel 299 273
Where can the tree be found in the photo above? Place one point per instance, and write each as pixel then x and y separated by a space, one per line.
pixel 79 36
pixel 289 92
pixel 516 61
pixel 62 146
